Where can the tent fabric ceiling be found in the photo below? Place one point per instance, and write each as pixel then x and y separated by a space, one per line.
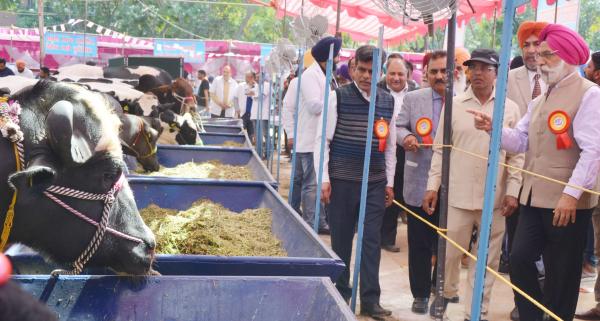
pixel 361 19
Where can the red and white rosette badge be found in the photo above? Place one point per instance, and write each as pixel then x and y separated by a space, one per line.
pixel 424 127
pixel 382 130
pixel 5 269
pixel 559 123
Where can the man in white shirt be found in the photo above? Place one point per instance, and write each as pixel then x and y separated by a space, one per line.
pixel 22 70
pixel 395 83
pixel 222 92
pixel 312 95
pixel 248 104
pixel 344 155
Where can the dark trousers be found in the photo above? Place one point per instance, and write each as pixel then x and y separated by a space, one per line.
pixel 561 248
pixel 422 244
pixel 248 124
pixel 343 216
pixel 390 219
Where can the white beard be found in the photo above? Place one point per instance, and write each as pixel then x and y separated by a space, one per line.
pixel 460 84
pixel 552 75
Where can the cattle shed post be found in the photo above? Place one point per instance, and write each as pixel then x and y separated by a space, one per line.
pixel 376 71
pixel 447 139
pixel 296 107
pixel 494 154
pixel 328 76
pixel 41 27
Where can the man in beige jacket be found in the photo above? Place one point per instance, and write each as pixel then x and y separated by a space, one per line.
pixel 467 177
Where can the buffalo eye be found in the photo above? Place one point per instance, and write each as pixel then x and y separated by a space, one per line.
pixel 110 177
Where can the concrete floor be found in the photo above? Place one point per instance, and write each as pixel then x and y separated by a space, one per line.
pixel 396 290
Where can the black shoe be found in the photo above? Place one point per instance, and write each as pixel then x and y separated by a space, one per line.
pixel 374 310
pixel 391 248
pixel 454 299
pixel 324 230
pixel 437 301
pixel 420 305
pixel 514 314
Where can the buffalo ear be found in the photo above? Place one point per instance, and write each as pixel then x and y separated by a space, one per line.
pixel 70 143
pixel 30 177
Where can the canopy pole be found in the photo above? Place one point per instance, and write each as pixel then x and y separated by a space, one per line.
pixel 258 129
pixel 328 76
pixel 376 67
pixel 296 107
pixel 279 127
pixel 494 28
pixel 337 22
pixel 494 155
pixel 447 140
pixel 41 28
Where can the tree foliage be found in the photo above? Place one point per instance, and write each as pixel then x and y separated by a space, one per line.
pixel 142 18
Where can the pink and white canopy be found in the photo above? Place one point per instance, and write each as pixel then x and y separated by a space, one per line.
pixel 361 19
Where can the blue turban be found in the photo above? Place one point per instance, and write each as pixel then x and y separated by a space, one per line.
pixel 320 51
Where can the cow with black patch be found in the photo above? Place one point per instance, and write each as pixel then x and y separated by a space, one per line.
pixel 71 202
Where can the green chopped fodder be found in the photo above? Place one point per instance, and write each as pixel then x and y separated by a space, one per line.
pixel 211 169
pixel 208 228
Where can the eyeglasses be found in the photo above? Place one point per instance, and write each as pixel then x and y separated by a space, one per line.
pixel 546 54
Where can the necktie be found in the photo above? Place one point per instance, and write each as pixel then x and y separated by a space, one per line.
pixel 537 89
pixel 248 105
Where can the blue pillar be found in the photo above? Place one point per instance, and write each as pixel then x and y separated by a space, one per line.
pixel 323 138
pixel 365 178
pixel 296 108
pixel 494 155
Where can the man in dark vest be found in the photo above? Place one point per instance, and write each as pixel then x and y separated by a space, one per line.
pixel 554 218
pixel 347 122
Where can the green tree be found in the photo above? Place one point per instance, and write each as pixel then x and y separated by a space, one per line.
pixel 158 18
pixel 589 22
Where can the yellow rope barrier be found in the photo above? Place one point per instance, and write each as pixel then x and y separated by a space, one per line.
pixel 441 232
pixel 550 179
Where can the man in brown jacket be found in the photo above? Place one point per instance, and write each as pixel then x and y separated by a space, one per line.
pixel 554 218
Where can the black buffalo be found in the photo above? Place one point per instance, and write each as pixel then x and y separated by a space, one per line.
pixel 71 141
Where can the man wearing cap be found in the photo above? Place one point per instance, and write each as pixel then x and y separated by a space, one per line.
pixel 394 83
pixel 467 178
pixel 346 136
pixel 554 217
pixel 417 122
pixel 312 94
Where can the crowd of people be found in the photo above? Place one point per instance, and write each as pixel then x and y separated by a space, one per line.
pixel 550 127
pixel 543 234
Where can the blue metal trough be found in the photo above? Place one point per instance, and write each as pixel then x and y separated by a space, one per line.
pixel 223 121
pixel 173 155
pixel 216 139
pixel 307 254
pixel 223 129
pixel 183 298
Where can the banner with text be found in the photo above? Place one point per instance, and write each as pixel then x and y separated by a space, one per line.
pixel 68 44
pixel 190 50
